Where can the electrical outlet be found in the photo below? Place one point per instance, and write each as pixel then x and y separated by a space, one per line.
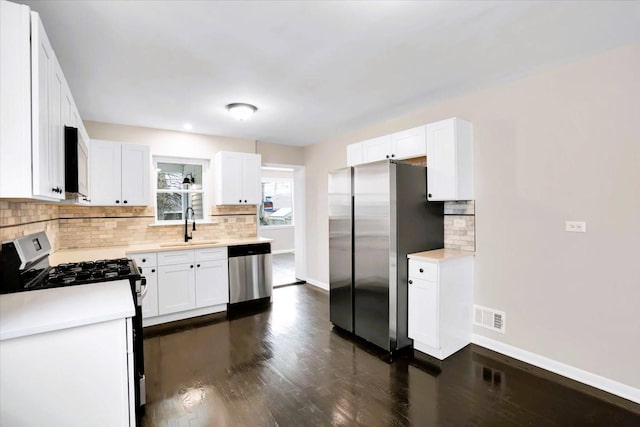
pixel 575 226
pixel 459 223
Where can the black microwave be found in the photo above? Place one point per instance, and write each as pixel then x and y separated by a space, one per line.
pixel 76 163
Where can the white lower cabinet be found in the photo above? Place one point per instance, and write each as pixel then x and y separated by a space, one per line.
pixel 150 293
pixel 440 304
pixel 183 283
pixel 212 283
pixel 176 288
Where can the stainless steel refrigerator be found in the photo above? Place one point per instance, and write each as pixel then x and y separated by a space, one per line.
pixel 378 213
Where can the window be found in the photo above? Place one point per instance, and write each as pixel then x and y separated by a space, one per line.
pixel 180 184
pixel 277 197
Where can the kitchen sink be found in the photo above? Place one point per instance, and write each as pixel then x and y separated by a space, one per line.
pixel 190 243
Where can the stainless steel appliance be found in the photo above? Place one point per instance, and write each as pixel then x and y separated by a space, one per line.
pixel 24 266
pixel 250 275
pixel 378 213
pixel 76 162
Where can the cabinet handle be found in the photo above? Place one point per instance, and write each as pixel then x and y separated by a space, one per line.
pixel 240 201
pixel 387 156
pixel 191 266
pixel 198 265
pixel 144 260
pixel 422 270
pixel 429 195
pixel 124 201
pixel 245 201
pixel 117 201
pixel 411 282
pixel 393 155
pixel 153 270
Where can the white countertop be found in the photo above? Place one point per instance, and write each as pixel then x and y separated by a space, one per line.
pixel 46 310
pixel 109 252
pixel 439 255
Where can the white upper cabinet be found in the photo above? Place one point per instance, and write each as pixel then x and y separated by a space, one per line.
pixel 35 106
pixel 376 149
pixel 15 101
pixel 355 154
pixel 450 160
pixel 135 174
pixel 237 178
pixel 47 95
pixel 409 143
pixel 400 145
pixel 119 174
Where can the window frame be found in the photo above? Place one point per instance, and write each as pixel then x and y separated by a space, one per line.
pixel 206 190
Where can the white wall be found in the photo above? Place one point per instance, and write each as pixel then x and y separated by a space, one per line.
pixel 560 145
pixel 283 237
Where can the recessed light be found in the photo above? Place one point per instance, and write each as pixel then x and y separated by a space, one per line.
pixel 187 126
pixel 241 111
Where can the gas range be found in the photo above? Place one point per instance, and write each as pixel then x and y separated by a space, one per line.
pixel 91 272
pixel 24 266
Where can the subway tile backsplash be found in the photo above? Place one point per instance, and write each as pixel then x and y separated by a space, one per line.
pixel 460 225
pixel 70 226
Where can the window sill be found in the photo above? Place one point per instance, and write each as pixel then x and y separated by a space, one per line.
pixel 174 223
pixel 275 227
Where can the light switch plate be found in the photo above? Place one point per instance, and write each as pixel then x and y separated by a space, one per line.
pixel 575 226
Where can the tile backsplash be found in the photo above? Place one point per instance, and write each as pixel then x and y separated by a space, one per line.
pixel 70 226
pixel 18 219
pixel 460 225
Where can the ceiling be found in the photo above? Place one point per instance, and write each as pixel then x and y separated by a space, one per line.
pixel 313 69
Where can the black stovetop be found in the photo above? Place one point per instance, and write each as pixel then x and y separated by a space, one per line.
pixel 80 273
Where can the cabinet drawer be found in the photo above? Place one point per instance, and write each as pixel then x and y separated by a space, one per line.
pixel 211 254
pixel 423 270
pixel 147 259
pixel 175 257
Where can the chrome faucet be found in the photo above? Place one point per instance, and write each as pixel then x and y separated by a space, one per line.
pixel 186 217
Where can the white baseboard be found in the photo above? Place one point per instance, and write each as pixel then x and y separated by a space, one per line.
pixel 317 284
pixel 594 380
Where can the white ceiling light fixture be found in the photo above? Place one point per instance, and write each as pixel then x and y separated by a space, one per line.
pixel 241 111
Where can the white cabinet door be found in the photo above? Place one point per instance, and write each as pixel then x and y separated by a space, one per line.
pixel 119 174
pixel 47 88
pixel 228 172
pixel 423 312
pixel 376 149
pixel 450 160
pixel 135 175
pixel 355 154
pixel 176 288
pixel 212 285
pixel 251 188
pixel 150 294
pixel 105 173
pixel 409 143
pixel 237 178
pixel 15 100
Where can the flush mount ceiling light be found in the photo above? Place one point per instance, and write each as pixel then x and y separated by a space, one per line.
pixel 241 111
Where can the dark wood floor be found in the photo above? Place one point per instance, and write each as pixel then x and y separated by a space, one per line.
pixel 287 367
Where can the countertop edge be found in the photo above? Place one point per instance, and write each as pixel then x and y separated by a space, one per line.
pixel 440 255
pixel 105 252
pixel 48 310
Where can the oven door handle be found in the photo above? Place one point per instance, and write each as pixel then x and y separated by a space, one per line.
pixel 143 290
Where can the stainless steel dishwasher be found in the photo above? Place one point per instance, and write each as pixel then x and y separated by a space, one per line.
pixel 250 271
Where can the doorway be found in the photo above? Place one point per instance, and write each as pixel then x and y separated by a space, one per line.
pixel 281 218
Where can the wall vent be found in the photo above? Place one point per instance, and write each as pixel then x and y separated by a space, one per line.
pixel 489 318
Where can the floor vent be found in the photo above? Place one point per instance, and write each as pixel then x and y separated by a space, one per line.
pixel 489 318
